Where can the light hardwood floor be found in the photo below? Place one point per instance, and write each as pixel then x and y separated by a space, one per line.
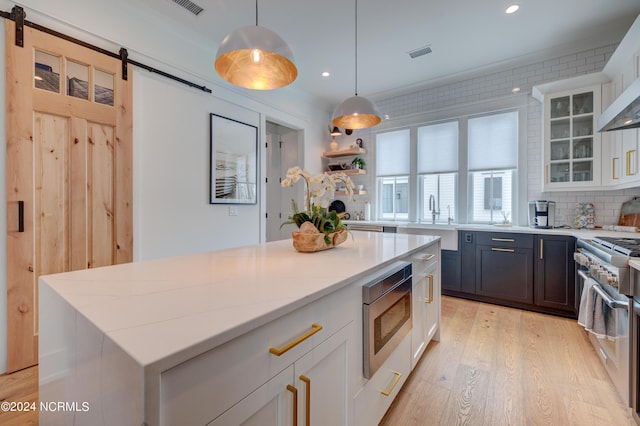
pixel 503 366
pixel 493 366
pixel 19 387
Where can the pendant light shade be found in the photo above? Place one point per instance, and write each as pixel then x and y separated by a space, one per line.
pixel 255 58
pixel 356 112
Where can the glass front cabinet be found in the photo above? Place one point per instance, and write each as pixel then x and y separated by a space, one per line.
pixel 572 149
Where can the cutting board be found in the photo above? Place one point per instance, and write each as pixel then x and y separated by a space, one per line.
pixel 630 213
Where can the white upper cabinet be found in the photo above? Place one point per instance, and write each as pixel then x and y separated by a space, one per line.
pixel 572 155
pixel 575 155
pixel 621 162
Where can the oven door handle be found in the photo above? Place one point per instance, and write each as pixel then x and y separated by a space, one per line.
pixel 583 275
pixel 612 303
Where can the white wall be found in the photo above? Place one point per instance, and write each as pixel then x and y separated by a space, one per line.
pixel 171 173
pixel 172 214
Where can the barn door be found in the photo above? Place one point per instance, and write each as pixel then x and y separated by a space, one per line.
pixel 69 161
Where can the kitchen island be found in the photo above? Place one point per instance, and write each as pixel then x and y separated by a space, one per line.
pixel 150 342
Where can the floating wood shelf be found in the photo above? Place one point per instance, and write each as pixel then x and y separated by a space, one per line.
pixel 345 152
pixel 349 172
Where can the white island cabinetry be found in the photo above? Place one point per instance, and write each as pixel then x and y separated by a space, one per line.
pixel 312 390
pixel 426 300
pixel 264 376
pixel 252 335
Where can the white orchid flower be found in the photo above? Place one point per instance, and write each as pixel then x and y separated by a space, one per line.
pixel 319 189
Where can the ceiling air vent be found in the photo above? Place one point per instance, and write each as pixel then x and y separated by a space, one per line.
pixel 190 6
pixel 419 51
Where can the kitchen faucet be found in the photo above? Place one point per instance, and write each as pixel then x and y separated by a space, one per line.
pixel 432 208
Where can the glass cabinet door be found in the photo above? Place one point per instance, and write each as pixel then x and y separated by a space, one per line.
pixel 571 138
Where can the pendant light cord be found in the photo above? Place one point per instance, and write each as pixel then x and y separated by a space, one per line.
pixel 356 47
pixel 256 13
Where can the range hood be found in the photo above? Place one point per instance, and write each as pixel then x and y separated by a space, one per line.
pixel 624 112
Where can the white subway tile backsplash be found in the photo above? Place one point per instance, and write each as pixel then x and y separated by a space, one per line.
pixel 499 84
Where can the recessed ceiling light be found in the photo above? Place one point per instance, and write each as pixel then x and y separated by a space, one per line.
pixel 515 90
pixel 512 9
pixel 326 74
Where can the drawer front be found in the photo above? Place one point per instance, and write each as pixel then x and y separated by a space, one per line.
pixel 378 393
pixel 424 259
pixel 504 239
pixel 203 387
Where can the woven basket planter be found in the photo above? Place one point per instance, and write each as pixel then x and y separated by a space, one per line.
pixel 312 242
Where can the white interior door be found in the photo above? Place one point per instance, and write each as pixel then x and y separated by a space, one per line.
pixel 283 152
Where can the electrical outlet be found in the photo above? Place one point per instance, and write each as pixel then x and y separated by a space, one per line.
pixel 233 210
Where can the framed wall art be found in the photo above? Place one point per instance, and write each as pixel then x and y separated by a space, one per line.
pixel 234 161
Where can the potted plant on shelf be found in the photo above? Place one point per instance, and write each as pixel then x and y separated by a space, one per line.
pixel 358 163
pixel 319 228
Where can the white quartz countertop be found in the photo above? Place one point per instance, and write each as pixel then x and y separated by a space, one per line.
pixel 181 306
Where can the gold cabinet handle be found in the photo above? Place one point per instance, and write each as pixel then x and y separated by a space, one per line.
pixel 503 249
pixel 429 298
pixel 307 381
pixel 503 240
pixel 393 384
pixel 629 153
pixel 279 351
pixel 614 175
pixel 541 249
pixel 294 391
pixel 546 174
pixel 626 155
pixel 427 257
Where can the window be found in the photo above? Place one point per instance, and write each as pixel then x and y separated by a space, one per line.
pixel 492 163
pixel 438 171
pixel 394 198
pixel 492 197
pixel 463 169
pixel 392 167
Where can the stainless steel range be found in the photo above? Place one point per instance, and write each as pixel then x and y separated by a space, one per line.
pixel 606 306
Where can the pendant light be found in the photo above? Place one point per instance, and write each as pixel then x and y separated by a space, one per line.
pixel 356 112
pixel 255 58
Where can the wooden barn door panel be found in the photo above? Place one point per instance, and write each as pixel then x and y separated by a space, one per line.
pixel 69 159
